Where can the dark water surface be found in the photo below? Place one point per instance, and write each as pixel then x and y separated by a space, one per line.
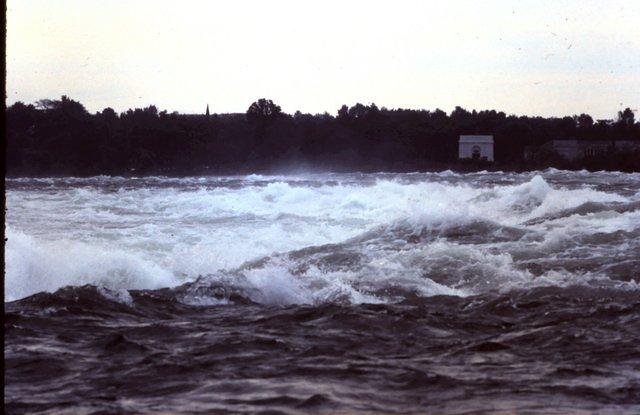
pixel 495 293
pixel 548 350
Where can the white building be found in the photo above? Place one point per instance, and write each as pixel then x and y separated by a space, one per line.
pixel 477 147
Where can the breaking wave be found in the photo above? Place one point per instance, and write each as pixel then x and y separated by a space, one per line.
pixel 363 293
pixel 322 238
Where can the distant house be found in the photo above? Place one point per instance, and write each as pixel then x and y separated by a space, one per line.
pixel 476 147
pixel 577 149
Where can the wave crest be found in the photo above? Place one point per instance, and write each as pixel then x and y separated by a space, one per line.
pixel 309 240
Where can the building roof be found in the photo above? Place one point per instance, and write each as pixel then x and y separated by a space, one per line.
pixel 482 139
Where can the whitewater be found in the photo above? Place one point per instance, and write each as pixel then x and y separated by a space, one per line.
pixel 371 232
pixel 487 292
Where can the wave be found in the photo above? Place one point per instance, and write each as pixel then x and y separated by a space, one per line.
pixel 311 240
pixel 34 265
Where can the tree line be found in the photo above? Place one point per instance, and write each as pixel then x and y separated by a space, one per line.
pixel 60 137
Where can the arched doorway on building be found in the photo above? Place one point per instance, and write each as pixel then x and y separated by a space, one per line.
pixel 475 152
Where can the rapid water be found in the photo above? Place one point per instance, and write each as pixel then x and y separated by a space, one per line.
pixel 316 237
pixel 484 274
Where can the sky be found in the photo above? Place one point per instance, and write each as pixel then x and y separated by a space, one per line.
pixel 547 58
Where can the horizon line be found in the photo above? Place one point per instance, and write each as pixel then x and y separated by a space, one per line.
pixel 366 104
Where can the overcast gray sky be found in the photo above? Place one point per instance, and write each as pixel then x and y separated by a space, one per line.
pixel 523 57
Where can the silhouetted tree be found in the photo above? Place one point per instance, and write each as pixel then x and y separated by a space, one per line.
pixel 263 110
pixel 61 137
pixel 584 121
pixel 626 117
pixel 343 113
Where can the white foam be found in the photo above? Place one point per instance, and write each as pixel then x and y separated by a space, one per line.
pixel 34 265
pixel 160 232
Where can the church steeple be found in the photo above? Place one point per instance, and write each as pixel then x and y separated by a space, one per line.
pixel 207 113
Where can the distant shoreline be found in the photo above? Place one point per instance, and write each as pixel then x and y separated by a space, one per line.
pixel 59 137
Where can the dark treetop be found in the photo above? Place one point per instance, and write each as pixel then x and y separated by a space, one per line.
pixel 59 137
